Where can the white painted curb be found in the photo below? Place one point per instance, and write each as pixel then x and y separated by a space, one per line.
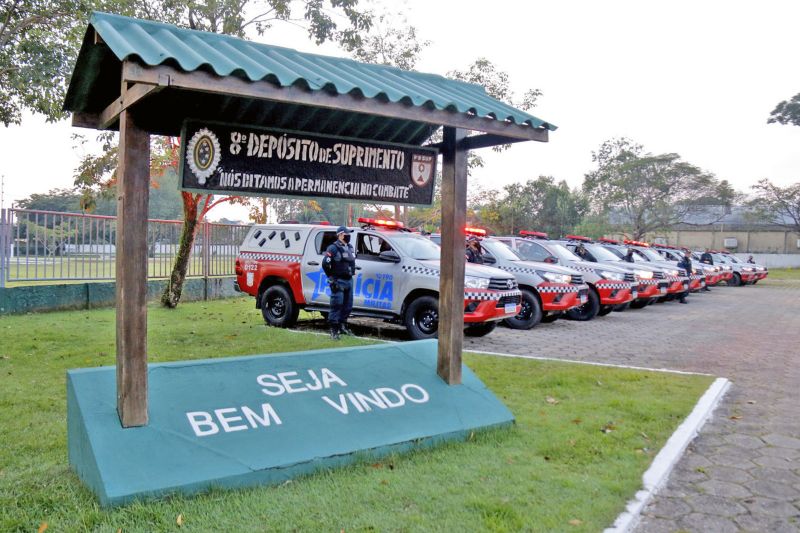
pixel 656 476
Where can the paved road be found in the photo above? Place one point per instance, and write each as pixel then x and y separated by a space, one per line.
pixel 743 472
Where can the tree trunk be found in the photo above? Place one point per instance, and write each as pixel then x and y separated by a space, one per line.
pixel 172 293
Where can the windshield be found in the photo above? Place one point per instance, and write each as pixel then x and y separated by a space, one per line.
pixel 416 247
pixel 733 259
pixel 601 254
pixel 650 254
pixel 500 250
pixel 616 251
pixel 561 251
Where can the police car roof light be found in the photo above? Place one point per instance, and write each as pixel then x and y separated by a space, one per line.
pixel 577 238
pixel 382 222
pixel 609 241
pixel 636 243
pixel 539 234
pixel 478 232
pixel 320 223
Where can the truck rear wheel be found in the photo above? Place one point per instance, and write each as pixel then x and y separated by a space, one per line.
pixel 422 318
pixel 529 315
pixel 479 330
pixel 278 307
pixel 588 310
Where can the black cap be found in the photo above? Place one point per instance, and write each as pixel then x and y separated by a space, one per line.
pixel 342 229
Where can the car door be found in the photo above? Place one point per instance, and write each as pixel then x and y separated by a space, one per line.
pixel 374 284
pixel 314 280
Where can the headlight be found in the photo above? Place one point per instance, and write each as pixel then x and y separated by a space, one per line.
pixel 644 274
pixel 471 282
pixel 554 277
pixel 672 272
pixel 747 269
pixel 605 274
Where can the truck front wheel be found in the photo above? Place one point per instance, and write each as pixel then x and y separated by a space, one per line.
pixel 278 307
pixel 736 280
pixel 529 316
pixel 588 310
pixel 422 318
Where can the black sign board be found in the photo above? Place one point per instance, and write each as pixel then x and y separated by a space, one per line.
pixel 247 161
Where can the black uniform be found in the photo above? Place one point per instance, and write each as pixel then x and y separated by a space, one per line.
pixel 686 264
pixel 343 260
pixel 474 256
pixel 629 256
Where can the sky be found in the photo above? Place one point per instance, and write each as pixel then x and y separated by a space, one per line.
pixel 697 78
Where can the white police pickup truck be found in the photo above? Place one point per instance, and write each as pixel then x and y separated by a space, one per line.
pixel 397 277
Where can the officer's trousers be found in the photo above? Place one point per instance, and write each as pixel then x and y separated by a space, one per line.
pixel 341 301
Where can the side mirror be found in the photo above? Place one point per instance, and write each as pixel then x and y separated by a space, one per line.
pixel 489 260
pixel 389 256
pixel 551 259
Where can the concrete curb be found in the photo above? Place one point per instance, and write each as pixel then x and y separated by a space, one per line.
pixel 656 476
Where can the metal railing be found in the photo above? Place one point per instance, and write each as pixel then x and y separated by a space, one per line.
pixel 52 246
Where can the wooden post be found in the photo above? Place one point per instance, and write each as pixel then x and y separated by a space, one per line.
pixel 133 189
pixel 451 281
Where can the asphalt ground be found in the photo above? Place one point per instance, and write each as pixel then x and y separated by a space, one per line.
pixel 742 473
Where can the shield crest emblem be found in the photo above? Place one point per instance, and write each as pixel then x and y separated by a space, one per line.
pixel 421 169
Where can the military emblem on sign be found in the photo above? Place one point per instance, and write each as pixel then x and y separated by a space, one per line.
pixel 421 169
pixel 203 154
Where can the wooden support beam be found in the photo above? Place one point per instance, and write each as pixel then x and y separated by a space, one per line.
pixel 133 189
pixel 451 281
pixel 232 86
pixel 129 97
pixel 85 120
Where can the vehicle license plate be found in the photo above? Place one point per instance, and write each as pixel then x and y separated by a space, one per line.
pixel 635 294
pixel 511 308
pixel 584 298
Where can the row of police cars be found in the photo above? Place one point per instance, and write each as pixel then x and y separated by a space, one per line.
pixel 525 279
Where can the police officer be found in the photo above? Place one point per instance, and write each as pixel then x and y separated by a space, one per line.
pixel 686 264
pixel 474 251
pixel 629 256
pixel 341 263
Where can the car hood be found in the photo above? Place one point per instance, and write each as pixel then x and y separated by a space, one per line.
pixel 546 267
pixel 471 269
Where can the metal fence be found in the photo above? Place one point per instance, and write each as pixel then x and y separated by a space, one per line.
pixel 52 246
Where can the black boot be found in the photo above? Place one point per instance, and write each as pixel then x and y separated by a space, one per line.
pixel 344 330
pixel 334 332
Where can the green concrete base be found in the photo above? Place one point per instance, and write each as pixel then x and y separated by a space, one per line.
pixel 246 421
pixel 67 296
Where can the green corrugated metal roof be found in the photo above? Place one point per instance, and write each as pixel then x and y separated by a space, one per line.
pixel 155 43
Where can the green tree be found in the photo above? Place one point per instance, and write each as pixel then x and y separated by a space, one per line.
pixel 541 205
pixel 39 40
pixel 786 112
pixel 61 200
pixel 777 205
pixel 644 192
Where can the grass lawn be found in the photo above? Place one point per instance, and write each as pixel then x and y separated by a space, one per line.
pixel 583 437
pixel 783 274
